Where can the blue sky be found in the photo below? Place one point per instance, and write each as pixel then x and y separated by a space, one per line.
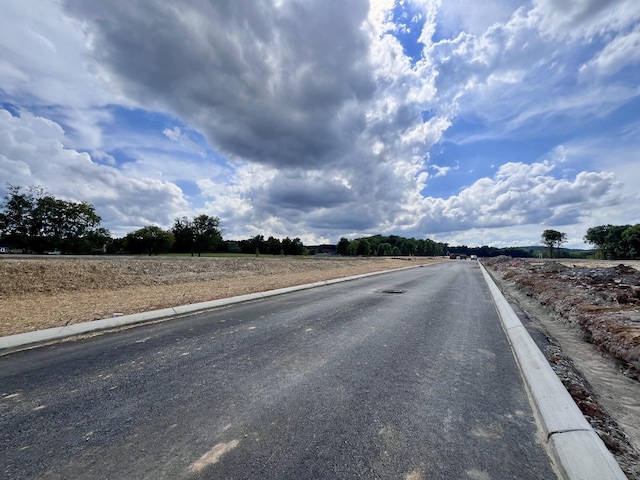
pixel 321 119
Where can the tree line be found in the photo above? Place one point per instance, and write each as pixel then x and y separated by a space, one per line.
pixel 615 241
pixel 33 221
pixel 270 246
pixel 391 245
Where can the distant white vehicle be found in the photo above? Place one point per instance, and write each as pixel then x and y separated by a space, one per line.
pixel 473 257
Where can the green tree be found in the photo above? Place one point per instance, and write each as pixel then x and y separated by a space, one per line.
pixel 616 244
pixel 353 248
pixel 632 238
pixel 201 234
pixel 36 221
pixel 116 246
pixel 62 225
pixel 233 247
pixel 343 247
pixel 293 246
pixel 553 239
pixel 363 248
pixel 183 234
pixel 150 239
pixel 384 249
pixel 207 233
pixel 97 241
pixel 598 236
pixel 16 217
pixel 408 247
pixel 274 246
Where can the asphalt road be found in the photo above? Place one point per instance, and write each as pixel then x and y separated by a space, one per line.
pixel 341 381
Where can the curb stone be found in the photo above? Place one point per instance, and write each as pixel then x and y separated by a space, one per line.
pixel 20 341
pixel 577 449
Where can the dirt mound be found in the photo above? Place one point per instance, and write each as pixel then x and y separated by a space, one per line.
pixel 556 297
pixel 603 301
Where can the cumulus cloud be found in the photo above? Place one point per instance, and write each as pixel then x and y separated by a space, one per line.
pixel 318 92
pixel 272 84
pixel 306 117
pixel 521 194
pixel 505 74
pixel 32 152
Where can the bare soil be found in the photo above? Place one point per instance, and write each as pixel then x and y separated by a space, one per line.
pixel 584 317
pixel 602 301
pixel 44 292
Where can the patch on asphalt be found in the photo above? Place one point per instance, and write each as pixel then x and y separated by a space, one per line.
pixel 213 456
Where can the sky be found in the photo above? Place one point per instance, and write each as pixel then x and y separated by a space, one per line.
pixel 323 119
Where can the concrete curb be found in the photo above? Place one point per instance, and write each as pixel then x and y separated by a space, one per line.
pixel 12 343
pixel 577 449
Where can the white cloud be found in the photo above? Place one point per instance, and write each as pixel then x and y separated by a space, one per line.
pixel 440 171
pixel 521 75
pixel 174 133
pixel 458 15
pixel 584 19
pixel 312 115
pixel 33 152
pixel 622 51
pixel 521 194
pixel 44 64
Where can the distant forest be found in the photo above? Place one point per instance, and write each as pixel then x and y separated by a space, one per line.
pixel 33 221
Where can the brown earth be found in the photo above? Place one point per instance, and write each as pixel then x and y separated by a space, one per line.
pixel 44 292
pixel 604 302
pixel 584 317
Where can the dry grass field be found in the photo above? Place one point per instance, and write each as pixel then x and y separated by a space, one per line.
pixel 44 292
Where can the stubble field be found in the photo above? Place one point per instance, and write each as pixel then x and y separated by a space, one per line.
pixel 44 292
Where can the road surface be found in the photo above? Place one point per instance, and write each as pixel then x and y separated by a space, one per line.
pixel 401 375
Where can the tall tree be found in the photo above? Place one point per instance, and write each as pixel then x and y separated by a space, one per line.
pixel 60 224
pixel 343 246
pixel 598 236
pixel 384 249
pixel 16 217
pixel 407 246
pixel 274 246
pixel 207 233
pixel 296 248
pixel 553 238
pixel 616 244
pixel 203 233
pixel 150 239
pixel 184 241
pixel 363 248
pixel 33 220
pixel 632 237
